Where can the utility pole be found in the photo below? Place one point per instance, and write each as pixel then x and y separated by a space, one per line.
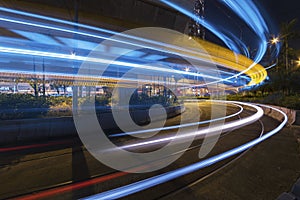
pixel 75 88
pixel 196 29
pixel 44 87
pixel 35 84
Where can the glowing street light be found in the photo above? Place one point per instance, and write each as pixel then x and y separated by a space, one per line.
pixel 275 40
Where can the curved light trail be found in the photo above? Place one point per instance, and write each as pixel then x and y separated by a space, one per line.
pixel 227 126
pixel 97 180
pixel 208 131
pixel 159 179
pixel 256 24
pixel 179 126
pixel 65 32
pixel 218 54
pixel 245 10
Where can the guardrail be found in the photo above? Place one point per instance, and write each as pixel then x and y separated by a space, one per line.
pixel 13 131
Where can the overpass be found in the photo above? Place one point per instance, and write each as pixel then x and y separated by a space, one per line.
pixel 67 48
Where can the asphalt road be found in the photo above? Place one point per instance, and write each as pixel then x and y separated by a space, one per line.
pixel 68 171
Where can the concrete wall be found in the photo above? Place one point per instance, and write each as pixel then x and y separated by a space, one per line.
pixel 13 131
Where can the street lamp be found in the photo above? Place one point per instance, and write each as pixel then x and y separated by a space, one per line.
pixel 187 69
pixel 275 40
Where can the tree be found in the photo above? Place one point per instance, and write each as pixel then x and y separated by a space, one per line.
pixel 288 33
pixel 281 79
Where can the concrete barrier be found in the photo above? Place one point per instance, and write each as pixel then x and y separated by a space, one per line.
pixel 13 131
pixel 297 121
pixel 276 115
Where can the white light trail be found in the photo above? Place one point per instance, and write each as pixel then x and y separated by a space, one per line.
pixel 162 178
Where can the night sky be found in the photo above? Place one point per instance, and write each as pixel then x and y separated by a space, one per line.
pixel 282 11
pixel 274 12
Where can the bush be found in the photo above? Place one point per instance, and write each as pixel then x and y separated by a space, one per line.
pixel 278 99
pixel 20 106
pixel 17 106
pixel 292 102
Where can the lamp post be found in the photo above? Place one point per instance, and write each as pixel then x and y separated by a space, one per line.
pixel 284 39
pixel 274 41
pixel 187 69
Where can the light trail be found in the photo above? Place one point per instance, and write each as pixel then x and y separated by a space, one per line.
pixel 246 10
pixel 227 41
pixel 22 13
pixel 76 186
pixel 143 45
pixel 227 126
pixel 250 14
pixel 72 187
pixel 99 60
pixel 215 171
pixel 81 25
pixel 261 50
pixel 185 51
pixel 179 126
pixel 255 80
pixel 219 55
pixel 159 179
pixel 33 146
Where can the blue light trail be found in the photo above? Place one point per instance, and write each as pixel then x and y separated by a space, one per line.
pixel 261 50
pixel 162 178
pixel 246 10
pixel 57 28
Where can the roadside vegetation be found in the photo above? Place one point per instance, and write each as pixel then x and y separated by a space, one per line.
pixel 278 99
pixel 22 106
pixel 282 87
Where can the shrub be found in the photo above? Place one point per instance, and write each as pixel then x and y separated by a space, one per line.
pixel 16 106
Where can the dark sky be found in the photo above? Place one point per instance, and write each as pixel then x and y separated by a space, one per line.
pixel 282 10
pixel 275 12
